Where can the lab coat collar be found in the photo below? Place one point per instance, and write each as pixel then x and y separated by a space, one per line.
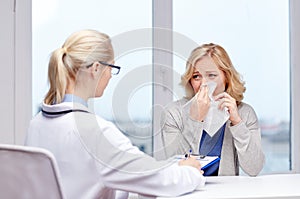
pixel 57 110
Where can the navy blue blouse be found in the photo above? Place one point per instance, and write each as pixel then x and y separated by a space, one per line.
pixel 212 146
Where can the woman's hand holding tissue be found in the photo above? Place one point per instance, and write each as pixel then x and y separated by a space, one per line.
pixel 226 101
pixel 200 104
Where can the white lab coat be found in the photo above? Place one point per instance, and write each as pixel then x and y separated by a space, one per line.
pixel 95 158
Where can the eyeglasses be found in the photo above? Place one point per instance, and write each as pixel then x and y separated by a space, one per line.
pixel 114 69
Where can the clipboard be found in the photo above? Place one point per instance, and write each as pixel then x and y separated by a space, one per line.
pixel 205 161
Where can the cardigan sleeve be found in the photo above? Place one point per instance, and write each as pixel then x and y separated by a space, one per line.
pixel 180 133
pixel 247 141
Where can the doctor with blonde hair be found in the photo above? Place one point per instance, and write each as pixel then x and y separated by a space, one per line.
pixel 94 158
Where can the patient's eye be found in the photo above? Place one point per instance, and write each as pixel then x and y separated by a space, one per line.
pixel 212 75
pixel 197 76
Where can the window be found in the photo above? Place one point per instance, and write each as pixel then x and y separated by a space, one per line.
pixel 258 45
pixel 54 20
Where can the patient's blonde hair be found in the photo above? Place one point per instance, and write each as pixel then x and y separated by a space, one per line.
pixel 81 49
pixel 234 85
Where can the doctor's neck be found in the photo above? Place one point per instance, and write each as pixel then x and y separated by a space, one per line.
pixel 77 90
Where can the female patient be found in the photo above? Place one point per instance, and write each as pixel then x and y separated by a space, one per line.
pixel 236 141
pixel 93 156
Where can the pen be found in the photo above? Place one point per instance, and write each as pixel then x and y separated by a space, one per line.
pixel 198 155
pixel 187 155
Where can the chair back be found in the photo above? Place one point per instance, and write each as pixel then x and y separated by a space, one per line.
pixel 28 173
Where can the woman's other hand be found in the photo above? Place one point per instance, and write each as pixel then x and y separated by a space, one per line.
pixel 225 100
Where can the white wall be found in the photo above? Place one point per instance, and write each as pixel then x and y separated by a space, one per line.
pixel 7 71
pixel 15 76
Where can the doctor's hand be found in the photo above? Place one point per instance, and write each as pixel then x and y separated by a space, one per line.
pixel 191 161
pixel 200 104
pixel 225 100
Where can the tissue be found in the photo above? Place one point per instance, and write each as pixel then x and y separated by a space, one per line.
pixel 215 117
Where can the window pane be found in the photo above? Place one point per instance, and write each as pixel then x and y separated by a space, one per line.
pixel 258 44
pixel 54 20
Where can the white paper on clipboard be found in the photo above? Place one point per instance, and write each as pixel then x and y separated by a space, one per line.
pixel 205 161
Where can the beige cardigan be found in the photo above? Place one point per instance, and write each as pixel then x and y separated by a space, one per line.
pixel 241 144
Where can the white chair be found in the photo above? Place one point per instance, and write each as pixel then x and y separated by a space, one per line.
pixel 28 173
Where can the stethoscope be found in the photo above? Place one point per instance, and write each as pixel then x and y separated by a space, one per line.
pixel 63 112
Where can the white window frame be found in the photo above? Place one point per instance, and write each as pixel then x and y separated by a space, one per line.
pixel 295 83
